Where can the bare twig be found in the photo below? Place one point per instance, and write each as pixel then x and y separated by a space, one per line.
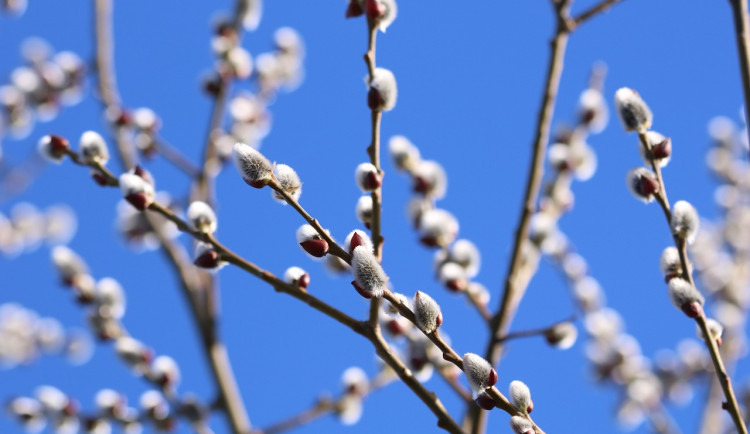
pixel 593 11
pixel 742 30
pixel 533 332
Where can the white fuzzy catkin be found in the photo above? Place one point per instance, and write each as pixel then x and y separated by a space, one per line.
pixel 438 227
pixel 93 147
pixel 368 273
pixel 592 105
pixel 633 111
pixel 430 179
pixel 201 217
pixel 562 336
pixel 669 262
pixel 681 292
pixel 634 180
pixel 714 327
pixel 685 221
pixel 520 396
pixel 293 274
pixel 366 177
pixel 354 380
pixel 132 351
pixel 306 233
pixel 654 139
pixel 255 169
pixel 389 15
pixel 466 254
pixel 68 263
pixel 240 61
pixel 165 370
pixel 289 182
pixel 383 86
pixel 427 312
pixel 479 372
pixel 363 210
pixel 252 12
pixel 453 276
pixel 110 298
pixel 133 184
pixel 404 154
pixel 521 425
pixel 47 150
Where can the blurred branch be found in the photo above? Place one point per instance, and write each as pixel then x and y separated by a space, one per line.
pixel 534 332
pixel 742 29
pixel 214 350
pixel 594 11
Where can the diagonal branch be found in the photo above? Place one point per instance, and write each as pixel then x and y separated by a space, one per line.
pixel 742 29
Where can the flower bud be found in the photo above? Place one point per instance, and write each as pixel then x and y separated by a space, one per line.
pixel 642 184
pixel 381 12
pixel 311 241
pixel 136 190
pixel 357 238
pixel 93 147
pixel 240 61
pixel 110 298
pixel 453 277
pixel 404 154
pixel 369 278
pixel 54 400
pixel 430 179
pixel 714 328
pixel 255 169
pixel 354 381
pixel 670 263
pixel 685 221
pixel 363 210
pixel 479 372
pixel 592 109
pixel 53 148
pixel 484 401
pixel 207 257
pixel 562 335
pixel 383 91
pixel 479 293
pixel 29 412
pixel 437 227
pixel 521 425
pixel 685 297
pixel 289 182
pixel 165 372
pixel 349 409
pixel 427 312
pixel 154 405
pixel 68 264
pixel 520 396
pixel 355 8
pixel 661 149
pixel 145 119
pixel 133 352
pixel 253 10
pixel 367 177
pixel 297 276
pixel 201 217
pixel 111 403
pixel 633 111
pixel 463 253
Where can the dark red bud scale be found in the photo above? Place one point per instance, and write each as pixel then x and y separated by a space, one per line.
pixel 719 341
pixel 374 9
pixel 429 241
pixel 315 247
pixel 647 186
pixel 140 201
pixel 100 179
pixel 123 118
pixel 355 242
pixel 394 327
pixel 485 401
pixel 71 407
pixel 587 116
pixel 374 99
pixel 354 9
pixel 662 149
pixel 692 309
pixel 303 281
pixel 439 320
pixel 418 363
pixel 360 290
pixel 670 276
pixel 530 408
pixel 257 183
pixel 456 285
pixel 493 378
pixel 208 259
pixel 421 185
pixel 373 181
pixel 58 144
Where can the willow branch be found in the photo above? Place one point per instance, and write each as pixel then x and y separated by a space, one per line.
pixel 742 30
pixel 594 11
pixel 533 332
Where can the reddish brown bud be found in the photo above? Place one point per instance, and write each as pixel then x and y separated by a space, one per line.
pixel 493 378
pixel 394 327
pixel 373 181
pixel 662 149
pixel 421 185
pixel 143 174
pixel 58 144
pixel 354 9
pixel 439 320
pixel 374 99
pixel 692 309
pixel 140 201
pixel 315 247
pixel 429 241
pixel 99 179
pixel 374 9
pixel 647 186
pixel 485 401
pixel 303 281
pixel 209 259
pixel 457 285
pixel 355 242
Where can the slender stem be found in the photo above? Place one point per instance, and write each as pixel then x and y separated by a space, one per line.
pixel 533 332
pixel 593 11
pixel 213 349
pixel 742 29
pixel 177 159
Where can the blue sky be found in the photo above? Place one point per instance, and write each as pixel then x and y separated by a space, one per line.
pixel 470 81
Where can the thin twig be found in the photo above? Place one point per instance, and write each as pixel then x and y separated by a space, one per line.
pixel 533 332
pixel 177 159
pixel 594 11
pixel 742 30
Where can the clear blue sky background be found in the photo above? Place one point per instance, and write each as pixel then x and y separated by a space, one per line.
pixel 470 77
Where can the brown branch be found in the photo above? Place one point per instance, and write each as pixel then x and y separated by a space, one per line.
pixel 594 11
pixel 533 332
pixel 177 159
pixel 742 29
